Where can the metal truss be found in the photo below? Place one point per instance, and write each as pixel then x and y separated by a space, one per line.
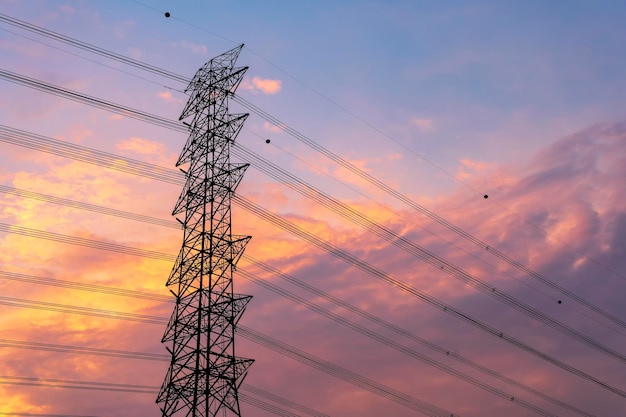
pixel 204 374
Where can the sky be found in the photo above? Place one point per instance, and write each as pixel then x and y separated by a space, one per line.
pixel 504 119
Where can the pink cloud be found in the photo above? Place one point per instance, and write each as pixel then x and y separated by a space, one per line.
pixel 140 145
pixel 423 124
pixel 469 168
pixel 194 48
pixel 263 85
pixel 165 95
pixel 272 128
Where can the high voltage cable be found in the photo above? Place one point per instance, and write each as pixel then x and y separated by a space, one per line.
pixel 90 48
pixel 378 273
pixel 156 172
pixel 342 373
pixel 84 311
pixel 387 234
pixel 19 414
pixel 129 388
pixel 403 349
pixel 425 255
pixel 259 338
pixel 402 242
pixel 320 310
pixel 115 162
pixel 95 102
pixel 31 279
pixel 89 207
pixel 279 291
pixel 88 155
pixel 381 275
pixel 389 137
pixel 84 385
pixel 283 401
pixel 363 266
pixel 79 350
pixel 413 204
pixel 185 80
pixel 317 147
pixel 113 247
pixel 49 347
pixel 343 321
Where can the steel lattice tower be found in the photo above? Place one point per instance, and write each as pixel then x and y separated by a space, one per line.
pixel 204 374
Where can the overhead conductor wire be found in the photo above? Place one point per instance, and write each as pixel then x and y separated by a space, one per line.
pixel 142 119
pixel 299 300
pixel 159 172
pixel 425 255
pixel 381 231
pixel 317 147
pixel 346 164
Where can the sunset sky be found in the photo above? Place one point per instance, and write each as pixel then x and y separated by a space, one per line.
pixel 500 121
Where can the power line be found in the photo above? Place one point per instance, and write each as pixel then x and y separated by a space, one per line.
pixel 378 274
pixel 57 237
pixel 127 388
pixel 276 273
pixel 358 328
pixel 111 161
pixel 381 231
pixel 89 207
pixel 412 151
pixel 19 414
pixel 273 344
pixel 159 172
pixel 412 353
pixel 277 290
pixel 31 279
pixel 382 275
pixel 356 170
pixel 375 228
pixel 80 350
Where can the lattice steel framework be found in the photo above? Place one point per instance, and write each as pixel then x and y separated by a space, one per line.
pixel 204 374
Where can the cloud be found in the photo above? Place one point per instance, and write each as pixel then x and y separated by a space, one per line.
pixel 157 151
pixel 67 9
pixel 271 128
pixel 165 95
pixel 423 124
pixel 134 53
pixel 263 85
pixel 469 168
pixel 171 99
pixel 193 47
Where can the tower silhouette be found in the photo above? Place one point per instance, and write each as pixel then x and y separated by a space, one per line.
pixel 204 374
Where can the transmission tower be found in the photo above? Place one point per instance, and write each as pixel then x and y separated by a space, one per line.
pixel 204 374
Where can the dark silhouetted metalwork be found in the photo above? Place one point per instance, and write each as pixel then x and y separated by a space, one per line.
pixel 204 374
